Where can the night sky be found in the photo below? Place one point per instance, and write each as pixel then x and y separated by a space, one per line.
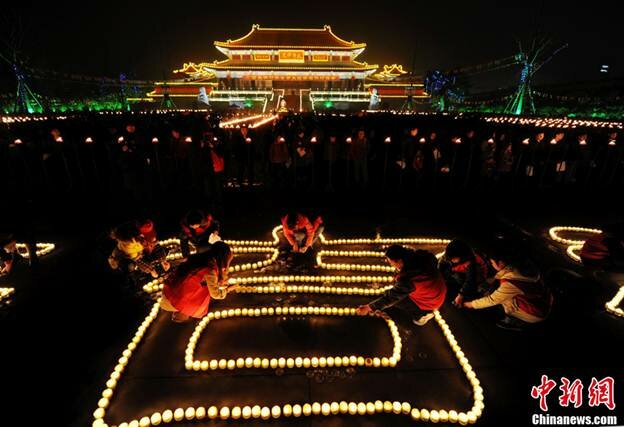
pixel 147 40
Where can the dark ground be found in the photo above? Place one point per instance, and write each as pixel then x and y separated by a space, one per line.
pixel 71 318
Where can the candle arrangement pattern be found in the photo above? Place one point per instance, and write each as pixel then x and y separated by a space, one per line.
pixel 41 250
pixel 281 362
pixel 280 284
pixel 574 246
pixel 296 284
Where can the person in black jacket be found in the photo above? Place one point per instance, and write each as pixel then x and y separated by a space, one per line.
pixel 465 269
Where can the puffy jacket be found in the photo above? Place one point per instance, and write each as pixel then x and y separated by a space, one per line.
pixel 522 296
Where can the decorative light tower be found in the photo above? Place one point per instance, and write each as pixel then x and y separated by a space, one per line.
pixel 532 61
pixel 26 101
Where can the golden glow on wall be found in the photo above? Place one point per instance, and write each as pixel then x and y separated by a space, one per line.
pixel 291 56
pixel 320 58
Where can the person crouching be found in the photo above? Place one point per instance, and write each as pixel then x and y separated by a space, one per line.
pixel 521 291
pixel 300 232
pixel 188 290
pixel 419 289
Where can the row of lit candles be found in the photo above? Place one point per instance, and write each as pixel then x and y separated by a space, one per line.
pixel 553 232
pixel 256 121
pixel 378 240
pixel 41 249
pixel 306 289
pixel 555 122
pixel 296 411
pixel 356 267
pixel 188 139
pixel 573 249
pixel 614 305
pixel 156 285
pixel 310 279
pixel 239 246
pixel 35 118
pixel 228 123
pixel 289 410
pixel 541 122
pixel 5 294
pixel 290 362
pixel 360 267
pixel 239 267
pixel 25 119
pixel 384 241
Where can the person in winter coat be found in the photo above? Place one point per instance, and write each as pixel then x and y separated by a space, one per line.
pixel 131 256
pixel 300 232
pixel 466 269
pixel 521 292
pixel 203 276
pixel 419 289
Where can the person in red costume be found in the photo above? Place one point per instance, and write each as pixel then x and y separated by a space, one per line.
pixel 300 232
pixel 203 276
pixel 419 289
pixel 153 253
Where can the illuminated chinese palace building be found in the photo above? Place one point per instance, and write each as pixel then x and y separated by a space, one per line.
pixel 295 69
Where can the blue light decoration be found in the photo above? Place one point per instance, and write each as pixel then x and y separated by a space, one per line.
pixel 442 88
